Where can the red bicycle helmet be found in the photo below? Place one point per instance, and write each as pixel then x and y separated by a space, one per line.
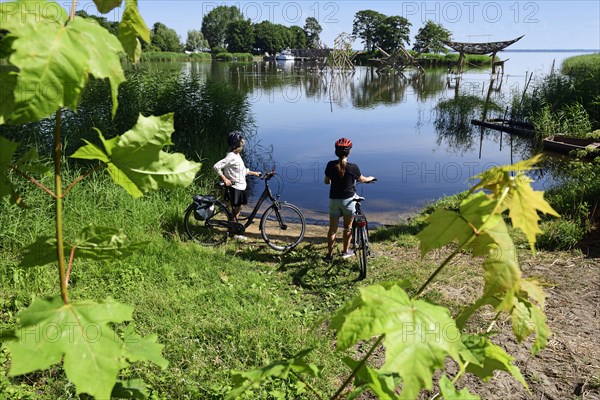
pixel 343 143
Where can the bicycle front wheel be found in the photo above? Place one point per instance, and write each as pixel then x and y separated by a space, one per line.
pixel 212 231
pixel 362 251
pixel 282 226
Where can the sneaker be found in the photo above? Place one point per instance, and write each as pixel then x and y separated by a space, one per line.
pixel 348 254
pixel 240 238
pixel 328 258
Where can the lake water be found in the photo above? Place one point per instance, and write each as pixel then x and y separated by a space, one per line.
pixel 393 123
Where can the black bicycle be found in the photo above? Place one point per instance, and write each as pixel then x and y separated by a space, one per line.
pixel 360 236
pixel 210 222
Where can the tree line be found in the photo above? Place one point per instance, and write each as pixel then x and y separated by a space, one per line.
pixel 225 29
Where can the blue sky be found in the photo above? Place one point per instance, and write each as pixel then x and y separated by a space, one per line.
pixel 545 24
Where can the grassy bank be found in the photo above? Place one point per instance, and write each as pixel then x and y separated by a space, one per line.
pixel 234 307
pixel 214 309
pixel 151 56
pixel 565 101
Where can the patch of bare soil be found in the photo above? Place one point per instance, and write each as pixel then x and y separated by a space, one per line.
pixel 569 367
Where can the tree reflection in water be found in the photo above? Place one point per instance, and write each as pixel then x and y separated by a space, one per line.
pixel 453 122
pixel 362 88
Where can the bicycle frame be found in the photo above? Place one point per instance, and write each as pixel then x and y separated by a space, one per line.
pixel 274 226
pixel 266 194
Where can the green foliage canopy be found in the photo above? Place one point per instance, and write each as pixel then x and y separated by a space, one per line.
pixel 312 29
pixel 195 41
pixel 240 36
pixel 365 26
pixel 165 39
pixel 299 35
pixel 392 33
pixel 269 37
pixel 429 38
pixel 214 24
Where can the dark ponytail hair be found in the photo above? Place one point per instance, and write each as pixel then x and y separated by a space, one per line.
pixel 342 153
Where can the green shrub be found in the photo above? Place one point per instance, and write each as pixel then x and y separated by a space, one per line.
pixel 582 67
pixel 571 119
pixel 201 56
pixel 233 56
pixel 560 234
pixel 224 56
pixel 242 56
pixel 579 83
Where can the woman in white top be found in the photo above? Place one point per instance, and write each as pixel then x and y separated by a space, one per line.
pixel 232 172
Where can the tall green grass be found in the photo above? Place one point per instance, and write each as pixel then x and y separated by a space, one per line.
pixel 205 111
pixel 557 95
pixel 571 119
pixel 153 56
pixel 234 56
pixel 214 309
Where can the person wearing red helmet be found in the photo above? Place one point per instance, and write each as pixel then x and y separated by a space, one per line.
pixel 233 171
pixel 342 176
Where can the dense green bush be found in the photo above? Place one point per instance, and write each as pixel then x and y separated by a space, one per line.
pixel 233 57
pixel 557 94
pixel 163 56
pixel 205 111
pixel 560 234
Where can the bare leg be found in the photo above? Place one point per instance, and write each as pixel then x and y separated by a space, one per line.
pixel 236 212
pixel 333 225
pixel 347 232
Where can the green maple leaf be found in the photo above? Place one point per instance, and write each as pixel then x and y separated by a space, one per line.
pixel 55 57
pixel 448 226
pixel 418 335
pixel 369 378
pixel 132 27
pixel 449 392
pixel 477 209
pixel 444 228
pixel 136 160
pixel 502 274
pixel 93 243
pixel 496 179
pixel 533 291
pixel 78 333
pixel 137 348
pixel 489 358
pixel 103 55
pixel 105 6
pixel 523 204
pixel 279 369
pixel 527 318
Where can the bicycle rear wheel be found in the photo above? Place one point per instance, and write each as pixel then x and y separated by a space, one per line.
pixel 282 227
pixel 362 251
pixel 212 231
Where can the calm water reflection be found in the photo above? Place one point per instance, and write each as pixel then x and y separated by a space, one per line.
pixel 399 135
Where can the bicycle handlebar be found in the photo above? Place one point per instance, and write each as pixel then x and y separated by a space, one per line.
pixel 373 181
pixel 267 175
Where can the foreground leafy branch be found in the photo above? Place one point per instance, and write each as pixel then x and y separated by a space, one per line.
pixel 419 336
pixel 51 56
